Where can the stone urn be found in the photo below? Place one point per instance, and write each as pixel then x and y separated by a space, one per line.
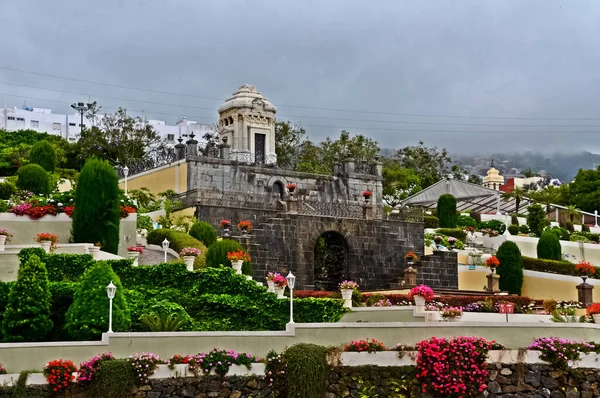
pixel 189 262
pixel 410 265
pixel 270 286
pixel 596 318
pixel 347 296
pixel 279 290
pixel 237 266
pixel 46 244
pixel 454 318
pixel 134 255
pixel 2 242
pixel 94 250
pixel 419 305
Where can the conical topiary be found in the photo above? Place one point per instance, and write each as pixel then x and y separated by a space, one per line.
pixel 548 247
pixel 446 210
pixel 510 268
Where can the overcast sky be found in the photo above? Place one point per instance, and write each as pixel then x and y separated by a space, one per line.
pixel 526 63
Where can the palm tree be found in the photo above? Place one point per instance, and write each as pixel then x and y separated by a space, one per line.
pixel 518 194
pixel 573 211
pixel 546 196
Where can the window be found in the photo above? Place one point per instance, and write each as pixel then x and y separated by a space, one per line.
pixel 20 119
pixel 72 124
pixel 35 123
pixel 170 137
pixel 55 126
pixel 11 118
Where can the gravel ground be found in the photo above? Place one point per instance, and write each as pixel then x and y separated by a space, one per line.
pixel 152 257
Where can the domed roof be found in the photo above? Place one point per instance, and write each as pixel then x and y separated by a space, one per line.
pixel 493 175
pixel 248 97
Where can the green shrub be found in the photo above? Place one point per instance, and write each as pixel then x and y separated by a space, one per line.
pixel 514 220
pixel 87 318
pixel 523 229
pixel 458 233
pixel 113 379
pixel 97 207
pixel 511 267
pixel 476 216
pixel 551 266
pixel 43 153
pixel 536 219
pixel 178 241
pixel 466 221
pixel 5 288
pixel 570 227
pixel 585 228
pixel 594 238
pixel 307 370
pixel 27 316
pixel 144 222
pixel 3 206
pixel 548 247
pixel 496 225
pixel 217 252
pixel 446 207
pixel 561 233
pixel 60 267
pixel 62 294
pixel 166 316
pixel 576 237
pixel 513 229
pixel 431 222
pixel 204 232
pixel 33 177
pixel 7 189
pixel 374 298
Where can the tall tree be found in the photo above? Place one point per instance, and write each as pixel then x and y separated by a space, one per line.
pixel 547 196
pixel 584 191
pixel 518 194
pixel 288 141
pixel 398 183
pixel 429 164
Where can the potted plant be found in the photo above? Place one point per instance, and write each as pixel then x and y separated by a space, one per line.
pixel 586 269
pixel 438 239
pixel 492 262
pixel 367 195
pixel 432 313
pixel 411 257
pixel 47 240
pixel 280 283
pixel 134 253
pixel 225 224
pixel 237 258
pixel 189 255
pixel 291 187
pixel 270 283
pixel 245 225
pixel 594 311
pixel 451 241
pixel 4 237
pixel 347 287
pixel 421 294
pixel 452 314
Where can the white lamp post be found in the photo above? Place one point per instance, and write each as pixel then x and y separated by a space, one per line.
pixel 165 246
pixel 110 291
pixel 125 173
pixel 291 280
pixel 596 218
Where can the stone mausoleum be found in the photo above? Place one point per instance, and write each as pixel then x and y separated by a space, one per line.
pixel 325 231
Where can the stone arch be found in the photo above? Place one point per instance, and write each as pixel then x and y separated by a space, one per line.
pixel 331 260
pixel 279 189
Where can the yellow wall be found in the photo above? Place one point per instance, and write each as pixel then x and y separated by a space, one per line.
pixel 173 176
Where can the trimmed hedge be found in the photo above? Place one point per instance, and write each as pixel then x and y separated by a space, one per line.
pixel 114 379
pixel 306 371
pixel 513 229
pixel 33 177
pixel 178 241
pixel 560 267
pixel 43 153
pixel 204 232
pixel 431 222
pixel 458 233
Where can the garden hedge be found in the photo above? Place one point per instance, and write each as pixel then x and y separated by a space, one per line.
pixel 513 229
pixel 33 177
pixel 178 241
pixel 458 233
pixel 217 255
pixel 431 222
pixel 306 371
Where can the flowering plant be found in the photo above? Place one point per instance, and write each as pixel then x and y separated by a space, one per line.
pixel 585 268
pixel 238 256
pixel 190 251
pixel 275 371
pixel 8 235
pixel 451 312
pixel 492 262
pixel 144 366
pixel 138 249
pixel 220 361
pixel 424 291
pixel 88 369
pixel 593 309
pixel 46 237
pixel 383 303
pixel 470 229
pixel 126 210
pixel 489 232
pixel 272 275
pixel 452 240
pixel 59 374
pixel 348 285
pixel 367 194
pixel 178 360
pixel 69 210
pixel 437 239
pixel 411 256
pixel 453 368
pixel 279 281
pixel 365 346
pixel 2 370
pixel 559 352
pixel 245 225
pixel 291 186
pixel 225 223
pixel 432 307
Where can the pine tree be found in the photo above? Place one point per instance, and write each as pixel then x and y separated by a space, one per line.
pixel 27 315
pixel 446 209
pixel 510 268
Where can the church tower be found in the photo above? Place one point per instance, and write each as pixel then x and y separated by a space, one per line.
pixel 247 123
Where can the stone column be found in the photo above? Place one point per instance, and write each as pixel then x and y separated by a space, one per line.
pixel 192 146
pixel 292 205
pixel 368 211
pixel 224 149
pixel 493 282
pixel 349 166
pixel 379 169
pixel 179 149
pixel 585 293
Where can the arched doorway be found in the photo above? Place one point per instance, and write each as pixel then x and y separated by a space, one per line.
pixel 330 261
pixel 278 189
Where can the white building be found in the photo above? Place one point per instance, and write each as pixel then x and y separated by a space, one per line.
pixel 68 126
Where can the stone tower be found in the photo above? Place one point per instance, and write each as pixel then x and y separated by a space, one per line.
pixel 247 123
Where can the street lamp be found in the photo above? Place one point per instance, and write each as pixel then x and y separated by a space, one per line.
pixel 126 173
pixel 165 246
pixel 82 108
pixel 596 218
pixel 291 280
pixel 110 291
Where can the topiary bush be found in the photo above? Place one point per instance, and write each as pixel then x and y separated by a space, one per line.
pixel 97 212
pixel 33 177
pixel 431 222
pixel 585 228
pixel 476 216
pixel 511 267
pixel 87 318
pixel 217 252
pixel 113 379
pixel 178 241
pixel 446 208
pixel 514 220
pixel 306 371
pixel 548 247
pixel 513 229
pixel 536 219
pixel 43 153
pixel 523 229
pixel 7 189
pixel 204 232
pixel 466 221
pixel 27 315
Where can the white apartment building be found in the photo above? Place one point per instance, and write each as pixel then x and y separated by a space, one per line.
pixel 68 126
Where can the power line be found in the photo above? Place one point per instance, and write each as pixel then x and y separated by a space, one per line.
pixel 295 106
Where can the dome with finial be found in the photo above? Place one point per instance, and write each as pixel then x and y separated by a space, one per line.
pixel 248 97
pixel 493 179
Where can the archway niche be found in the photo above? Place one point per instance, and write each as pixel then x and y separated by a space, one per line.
pixel 278 189
pixel 330 261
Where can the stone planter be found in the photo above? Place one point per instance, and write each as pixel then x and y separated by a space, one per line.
pixel 347 296
pixel 596 318
pixel 432 316
pixel 134 256
pixel 270 286
pixel 237 266
pixel 94 250
pixel 454 319
pixel 380 358
pixel 279 292
pixel 2 242
pixel 189 262
pixel 419 305
pixel 46 245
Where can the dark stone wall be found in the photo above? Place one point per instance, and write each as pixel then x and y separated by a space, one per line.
pixel 438 270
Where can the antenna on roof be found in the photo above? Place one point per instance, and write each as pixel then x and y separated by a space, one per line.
pixel 492 165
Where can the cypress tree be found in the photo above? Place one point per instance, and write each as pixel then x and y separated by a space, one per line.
pixel 510 268
pixel 548 247
pixel 97 208
pixel 43 153
pixel 27 315
pixel 446 209
pixel 536 219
